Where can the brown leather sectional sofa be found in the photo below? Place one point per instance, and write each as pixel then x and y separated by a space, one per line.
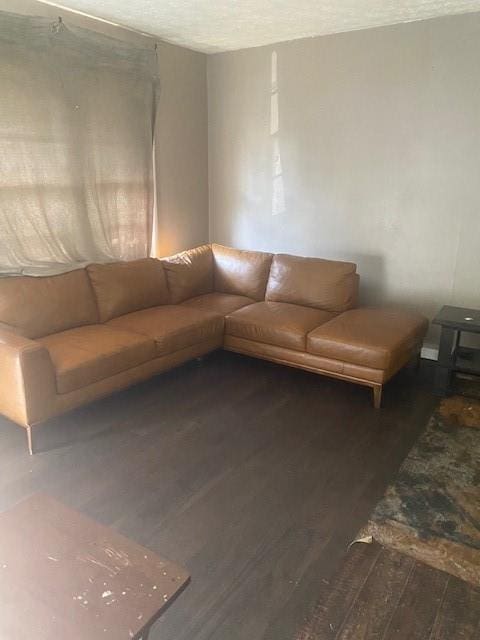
pixel 68 339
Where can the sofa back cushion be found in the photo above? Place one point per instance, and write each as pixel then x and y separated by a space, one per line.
pixel 313 282
pixel 38 306
pixel 123 287
pixel 243 273
pixel 189 273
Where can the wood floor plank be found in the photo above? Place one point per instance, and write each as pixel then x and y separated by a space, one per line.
pixel 253 476
pixel 380 594
pixel 459 613
pixel 415 615
pixel 375 604
pixel 336 597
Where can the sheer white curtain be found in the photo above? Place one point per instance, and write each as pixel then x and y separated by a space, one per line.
pixel 77 113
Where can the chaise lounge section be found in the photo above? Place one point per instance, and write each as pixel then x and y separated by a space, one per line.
pixel 68 339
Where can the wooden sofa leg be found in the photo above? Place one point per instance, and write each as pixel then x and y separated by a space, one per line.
pixel 29 440
pixel 377 396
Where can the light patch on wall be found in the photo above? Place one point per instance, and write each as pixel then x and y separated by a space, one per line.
pixel 278 187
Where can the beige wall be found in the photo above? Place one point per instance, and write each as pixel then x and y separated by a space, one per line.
pixel 379 143
pixel 182 156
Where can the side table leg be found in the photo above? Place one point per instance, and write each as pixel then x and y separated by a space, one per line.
pixel 443 373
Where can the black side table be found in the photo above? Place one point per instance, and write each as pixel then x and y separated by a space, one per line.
pixel 451 356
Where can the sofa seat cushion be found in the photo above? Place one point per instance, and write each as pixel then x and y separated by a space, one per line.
pixel 368 337
pixel 173 327
pixel 277 323
pixel 221 303
pixel 88 354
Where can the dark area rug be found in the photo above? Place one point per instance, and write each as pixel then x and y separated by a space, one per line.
pixel 432 510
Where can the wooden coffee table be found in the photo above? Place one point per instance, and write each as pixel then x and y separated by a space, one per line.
pixel 63 575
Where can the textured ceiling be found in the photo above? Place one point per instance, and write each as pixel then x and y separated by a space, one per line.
pixel 223 25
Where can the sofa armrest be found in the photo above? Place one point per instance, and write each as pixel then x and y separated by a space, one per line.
pixel 27 379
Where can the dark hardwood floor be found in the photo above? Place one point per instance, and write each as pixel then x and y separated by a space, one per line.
pixel 379 594
pixel 253 476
